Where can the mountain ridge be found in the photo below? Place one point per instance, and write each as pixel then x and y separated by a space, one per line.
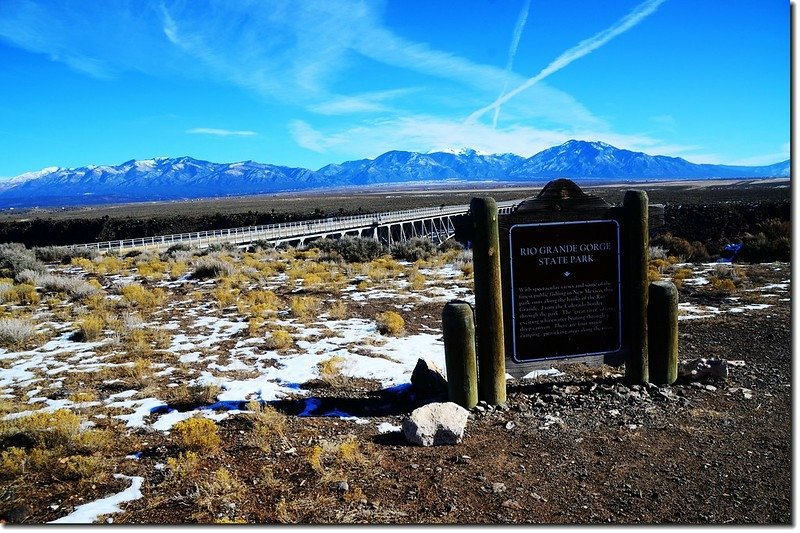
pixel 165 178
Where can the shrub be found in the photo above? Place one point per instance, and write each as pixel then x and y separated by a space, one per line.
pixel 771 243
pixel 414 249
pixel 212 267
pixel 90 328
pixel 140 370
pixel 138 296
pixel 268 425
pixel 22 294
pixel 198 434
pixel 305 307
pixel 51 283
pixel 152 268
pixel 279 339
pixel 15 332
pixel 351 249
pixel 179 249
pixel 177 269
pixel 390 323
pixel 47 429
pixel 14 258
pixel 338 310
pixel 222 488
pixel 450 245
pixel 63 254
pixel 416 281
pixel 184 465
pixel 224 296
pixel 694 251
pixel 330 371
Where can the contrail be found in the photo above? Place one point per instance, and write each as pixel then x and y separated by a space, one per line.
pixel 583 48
pixel 512 52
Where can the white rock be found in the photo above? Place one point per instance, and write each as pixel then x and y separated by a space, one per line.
pixel 436 424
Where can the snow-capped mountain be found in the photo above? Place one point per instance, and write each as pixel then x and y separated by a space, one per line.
pixel 166 178
pixel 396 166
pixel 582 159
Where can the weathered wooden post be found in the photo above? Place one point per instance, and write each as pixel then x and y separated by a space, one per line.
pixel 458 327
pixel 489 302
pixel 637 245
pixel 662 332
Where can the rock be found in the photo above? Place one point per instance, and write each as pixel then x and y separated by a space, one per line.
pixel 436 424
pixel 698 369
pixel 497 488
pixel 428 379
pixel 510 425
pixel 511 504
pixel 343 486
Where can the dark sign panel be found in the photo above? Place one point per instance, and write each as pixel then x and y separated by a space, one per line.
pixel 565 289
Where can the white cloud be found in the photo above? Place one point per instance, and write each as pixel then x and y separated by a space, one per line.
pixel 423 133
pixel 221 132
pixel 583 48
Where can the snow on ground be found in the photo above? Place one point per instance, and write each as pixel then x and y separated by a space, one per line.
pixel 89 512
pixel 212 347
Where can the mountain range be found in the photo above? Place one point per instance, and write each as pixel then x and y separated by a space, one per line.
pixel 184 177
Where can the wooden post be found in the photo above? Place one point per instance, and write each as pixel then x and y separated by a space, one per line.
pixel 637 249
pixel 662 332
pixel 458 327
pixel 488 302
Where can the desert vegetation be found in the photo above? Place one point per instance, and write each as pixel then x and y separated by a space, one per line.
pixel 188 367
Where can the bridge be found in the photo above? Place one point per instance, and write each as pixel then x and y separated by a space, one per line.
pixel 435 223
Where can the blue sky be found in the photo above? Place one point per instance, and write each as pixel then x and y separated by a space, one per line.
pixel 311 82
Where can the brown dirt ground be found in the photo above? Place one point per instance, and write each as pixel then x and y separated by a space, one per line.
pixel 579 448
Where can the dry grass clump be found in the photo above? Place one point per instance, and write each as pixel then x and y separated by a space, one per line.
pixel 279 339
pixel 176 269
pixel 269 425
pixel 152 268
pixel 212 267
pixel 15 332
pixel 225 296
pixel 22 294
pixel 135 295
pixel 197 434
pixel 681 274
pixel 416 280
pixel 258 303
pixel 75 288
pixel 390 323
pixel 305 308
pixel 184 465
pixel 140 371
pixel 212 495
pixel 330 372
pixel 90 328
pixel 338 310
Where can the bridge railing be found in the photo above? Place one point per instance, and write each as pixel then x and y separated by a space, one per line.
pixel 289 229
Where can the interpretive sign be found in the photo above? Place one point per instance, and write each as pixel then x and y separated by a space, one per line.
pixel 566 298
